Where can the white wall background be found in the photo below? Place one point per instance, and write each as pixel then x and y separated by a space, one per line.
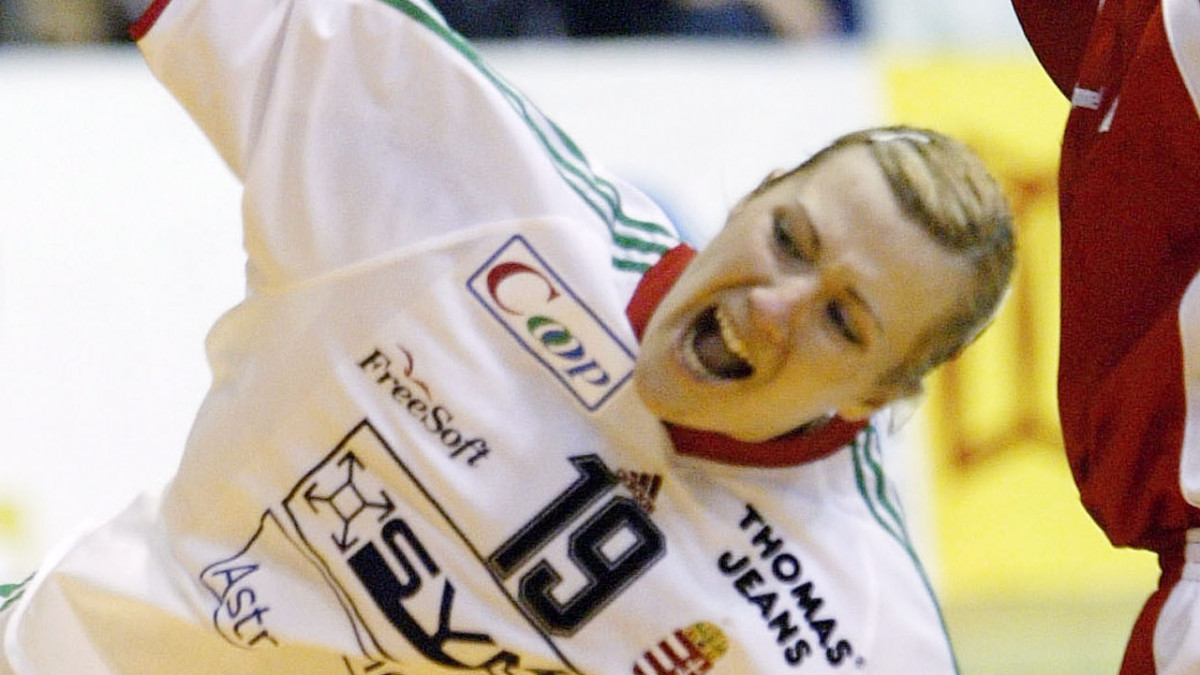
pixel 118 247
pixel 970 24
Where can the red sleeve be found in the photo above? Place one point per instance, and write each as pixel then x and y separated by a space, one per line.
pixel 1129 428
pixel 1058 32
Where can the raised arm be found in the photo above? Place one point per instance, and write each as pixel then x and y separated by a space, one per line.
pixel 359 126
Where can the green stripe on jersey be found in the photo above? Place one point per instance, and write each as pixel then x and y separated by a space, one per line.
pixel 10 593
pixel 637 243
pixel 876 493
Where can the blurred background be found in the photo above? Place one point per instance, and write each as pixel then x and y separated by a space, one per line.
pixel 119 247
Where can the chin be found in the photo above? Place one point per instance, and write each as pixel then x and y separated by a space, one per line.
pixel 752 436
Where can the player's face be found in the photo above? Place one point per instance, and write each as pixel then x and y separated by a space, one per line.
pixel 813 290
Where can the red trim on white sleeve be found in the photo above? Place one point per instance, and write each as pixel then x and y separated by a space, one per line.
pixel 146 21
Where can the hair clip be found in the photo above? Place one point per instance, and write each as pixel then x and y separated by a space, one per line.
pixel 887 135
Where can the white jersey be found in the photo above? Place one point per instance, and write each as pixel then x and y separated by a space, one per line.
pixel 422 452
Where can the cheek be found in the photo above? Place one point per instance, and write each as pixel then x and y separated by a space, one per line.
pixel 649 388
pixel 656 379
pixel 830 372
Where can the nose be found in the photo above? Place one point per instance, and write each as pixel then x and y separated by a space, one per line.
pixel 773 307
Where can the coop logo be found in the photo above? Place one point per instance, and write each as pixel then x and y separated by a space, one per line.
pixel 521 291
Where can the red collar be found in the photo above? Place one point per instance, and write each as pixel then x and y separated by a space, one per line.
pixel 788 450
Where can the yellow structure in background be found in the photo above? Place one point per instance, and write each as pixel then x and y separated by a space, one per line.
pixel 9 520
pixel 1012 540
pixel 13 534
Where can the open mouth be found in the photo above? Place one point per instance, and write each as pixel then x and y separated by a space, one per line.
pixel 714 349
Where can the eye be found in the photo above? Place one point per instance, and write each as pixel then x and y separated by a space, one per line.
pixel 835 312
pixel 785 241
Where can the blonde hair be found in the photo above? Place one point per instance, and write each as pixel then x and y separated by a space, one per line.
pixel 946 189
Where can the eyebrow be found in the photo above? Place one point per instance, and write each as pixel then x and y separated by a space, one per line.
pixel 814 240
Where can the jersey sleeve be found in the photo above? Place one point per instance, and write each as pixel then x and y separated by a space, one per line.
pixel 355 126
pixel 1058 31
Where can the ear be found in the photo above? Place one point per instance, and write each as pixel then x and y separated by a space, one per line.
pixel 771 177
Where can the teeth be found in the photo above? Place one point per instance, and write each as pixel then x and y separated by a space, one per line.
pixel 713 348
pixel 732 341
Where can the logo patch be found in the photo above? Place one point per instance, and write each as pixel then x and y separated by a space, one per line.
pixel 779 588
pixel 690 651
pixel 393 371
pixel 361 548
pixel 387 558
pixel 643 486
pixel 552 323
